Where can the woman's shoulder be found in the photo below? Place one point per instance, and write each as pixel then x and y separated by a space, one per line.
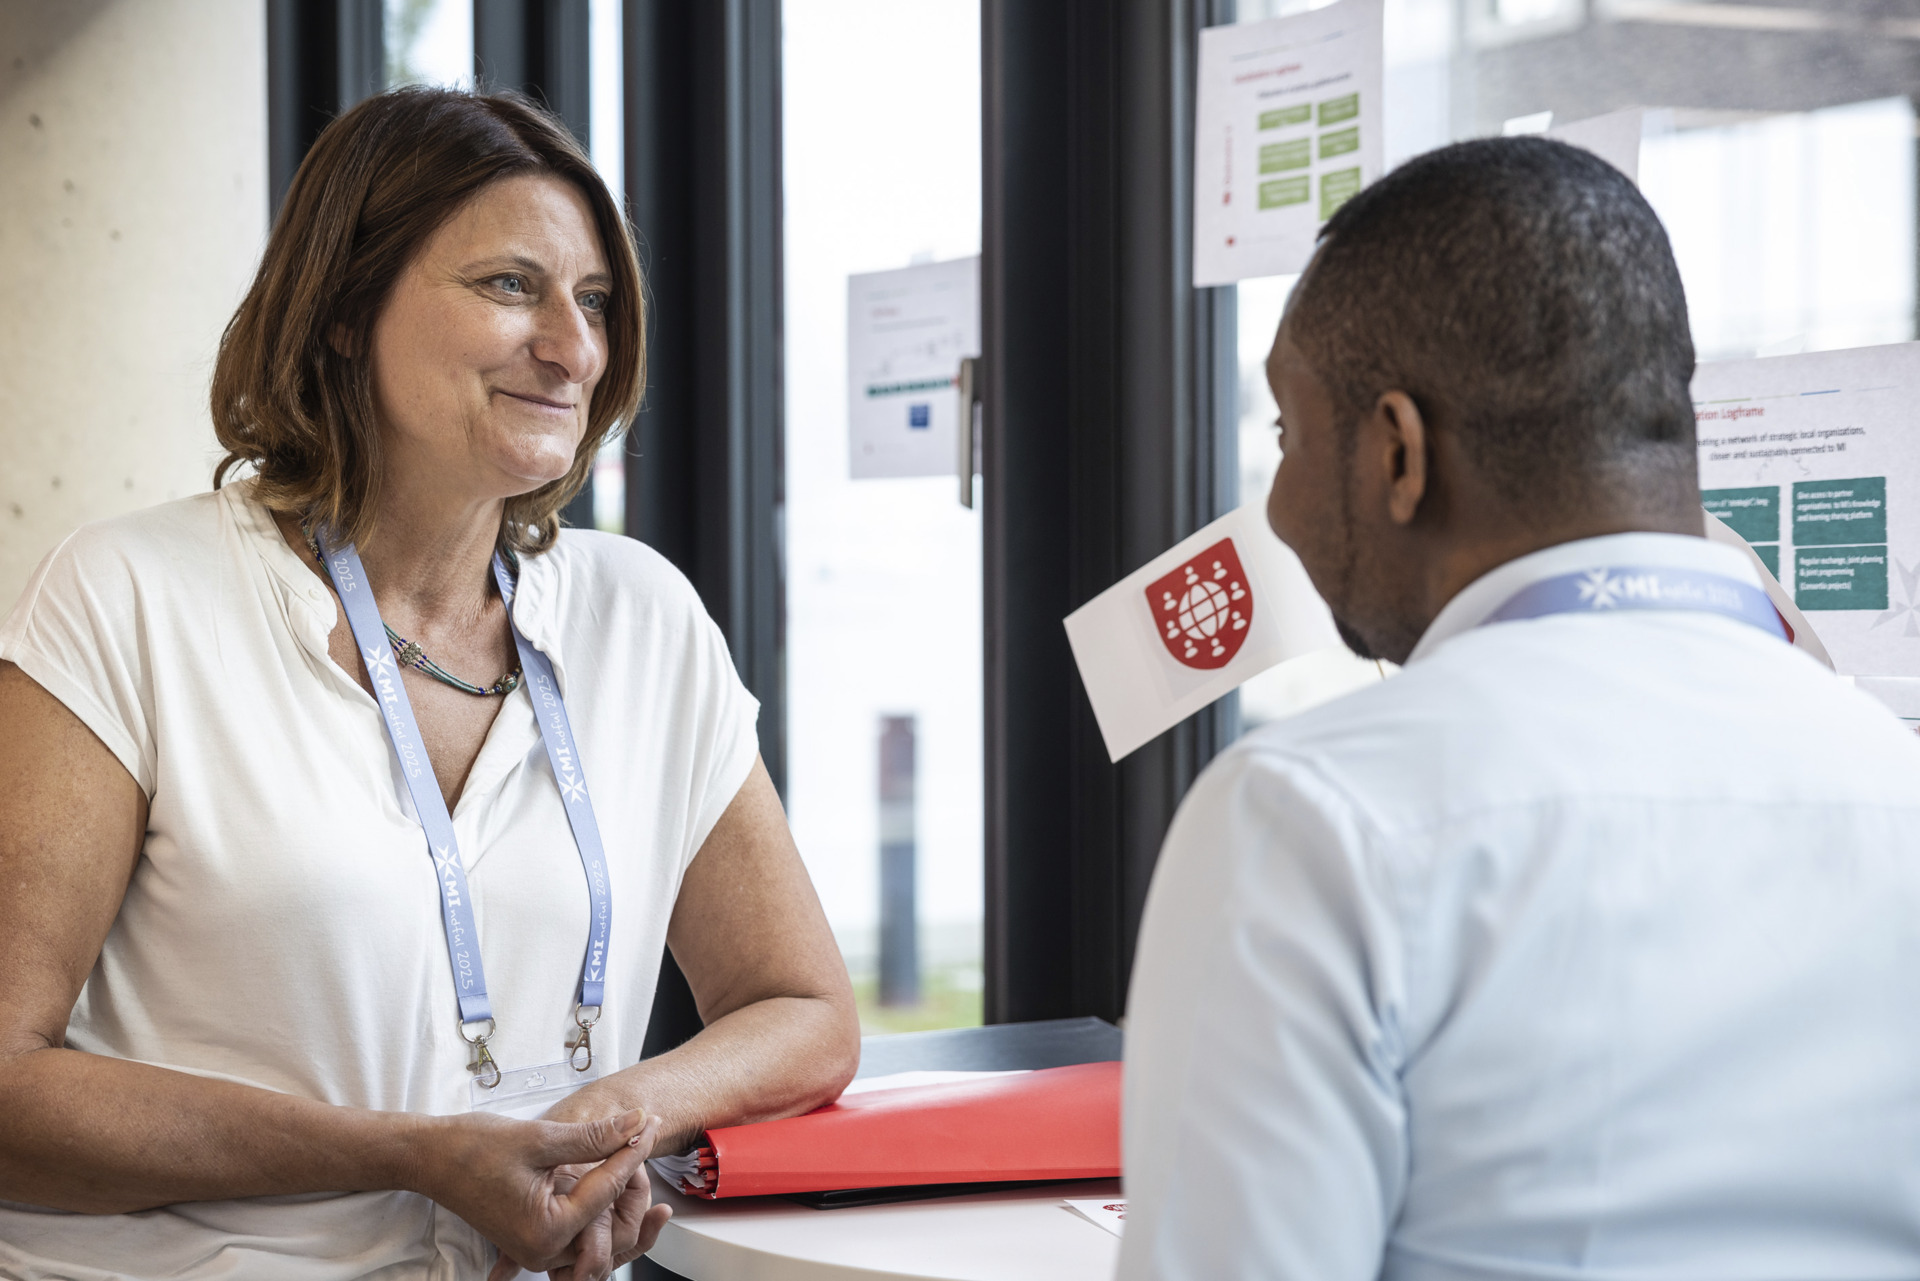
pixel 596 559
pixel 621 619
pixel 615 604
pixel 599 571
pixel 152 544
pixel 94 617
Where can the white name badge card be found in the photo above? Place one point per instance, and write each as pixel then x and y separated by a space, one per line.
pixel 525 1094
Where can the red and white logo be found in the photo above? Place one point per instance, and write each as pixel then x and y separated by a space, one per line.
pixel 1203 607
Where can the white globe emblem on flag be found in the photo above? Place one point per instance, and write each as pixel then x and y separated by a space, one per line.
pixel 1203 608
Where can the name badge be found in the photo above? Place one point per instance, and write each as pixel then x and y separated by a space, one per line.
pixel 525 1094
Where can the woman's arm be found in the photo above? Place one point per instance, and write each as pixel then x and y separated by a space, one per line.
pixel 781 1033
pixel 94 1134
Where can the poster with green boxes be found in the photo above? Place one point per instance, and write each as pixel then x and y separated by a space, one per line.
pixel 1754 514
pixel 1815 461
pixel 1287 129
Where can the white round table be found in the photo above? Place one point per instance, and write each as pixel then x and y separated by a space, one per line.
pixel 989 1236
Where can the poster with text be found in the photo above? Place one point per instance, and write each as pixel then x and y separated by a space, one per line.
pixel 1287 129
pixel 907 331
pixel 1815 461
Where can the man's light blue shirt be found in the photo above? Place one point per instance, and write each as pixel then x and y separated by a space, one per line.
pixel 1587 946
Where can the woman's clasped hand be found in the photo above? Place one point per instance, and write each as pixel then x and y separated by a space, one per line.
pixel 570 1198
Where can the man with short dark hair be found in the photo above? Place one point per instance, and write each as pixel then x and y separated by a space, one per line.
pixel 1587 945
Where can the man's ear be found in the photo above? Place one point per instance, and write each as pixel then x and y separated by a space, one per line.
pixel 1402 433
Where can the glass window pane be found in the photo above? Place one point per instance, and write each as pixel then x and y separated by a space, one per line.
pixel 606 119
pixel 606 137
pixel 882 163
pixel 1778 147
pixel 429 42
pixel 1778 143
pixel 1795 231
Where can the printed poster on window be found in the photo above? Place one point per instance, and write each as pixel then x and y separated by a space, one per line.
pixel 1286 130
pixel 907 331
pixel 1815 461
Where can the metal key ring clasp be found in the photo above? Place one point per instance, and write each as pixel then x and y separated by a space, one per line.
pixel 483 1065
pixel 583 1042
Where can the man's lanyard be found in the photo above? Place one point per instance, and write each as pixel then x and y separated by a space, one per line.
pixel 456 902
pixel 1639 587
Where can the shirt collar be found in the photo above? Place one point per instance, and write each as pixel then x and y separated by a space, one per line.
pixel 535 606
pixel 533 601
pixel 1487 593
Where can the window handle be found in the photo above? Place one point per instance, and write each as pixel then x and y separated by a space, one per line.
pixel 966 454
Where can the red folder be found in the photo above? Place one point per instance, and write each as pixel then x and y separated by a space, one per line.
pixel 1056 1123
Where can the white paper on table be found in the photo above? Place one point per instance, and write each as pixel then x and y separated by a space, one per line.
pixel 1287 126
pixel 680 1169
pixel 1217 607
pixel 1814 460
pixel 901 1080
pixel 1111 1215
pixel 907 331
pixel 1614 137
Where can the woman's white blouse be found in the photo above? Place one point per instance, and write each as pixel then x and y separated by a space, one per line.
pixel 282 927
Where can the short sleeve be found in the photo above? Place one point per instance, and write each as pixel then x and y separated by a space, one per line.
pixel 731 735
pixel 77 631
pixel 655 654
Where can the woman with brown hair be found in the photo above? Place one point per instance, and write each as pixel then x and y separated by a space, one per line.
pixel 309 907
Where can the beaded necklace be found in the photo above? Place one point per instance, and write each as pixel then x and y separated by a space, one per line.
pixel 409 652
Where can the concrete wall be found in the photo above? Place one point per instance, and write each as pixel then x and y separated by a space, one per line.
pixel 133 160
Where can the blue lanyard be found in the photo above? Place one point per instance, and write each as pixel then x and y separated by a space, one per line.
pixel 1641 587
pixel 456 902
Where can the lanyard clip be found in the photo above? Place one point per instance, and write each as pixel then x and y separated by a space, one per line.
pixel 483 1065
pixel 583 1043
